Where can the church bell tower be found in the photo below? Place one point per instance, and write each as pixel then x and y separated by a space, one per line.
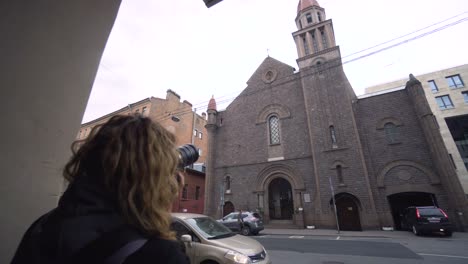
pixel 315 40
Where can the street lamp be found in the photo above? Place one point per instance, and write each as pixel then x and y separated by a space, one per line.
pixel 210 3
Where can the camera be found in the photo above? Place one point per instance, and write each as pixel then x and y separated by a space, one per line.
pixel 188 154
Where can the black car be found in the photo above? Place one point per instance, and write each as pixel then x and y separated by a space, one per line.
pixel 252 222
pixel 426 219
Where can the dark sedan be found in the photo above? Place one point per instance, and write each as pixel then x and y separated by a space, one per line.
pixel 426 219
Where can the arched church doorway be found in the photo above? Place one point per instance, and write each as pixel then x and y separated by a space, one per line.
pixel 400 201
pixel 348 212
pixel 280 200
pixel 228 208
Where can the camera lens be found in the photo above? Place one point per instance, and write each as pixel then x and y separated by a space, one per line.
pixel 188 155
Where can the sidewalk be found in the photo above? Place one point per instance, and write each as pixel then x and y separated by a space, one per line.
pixel 334 233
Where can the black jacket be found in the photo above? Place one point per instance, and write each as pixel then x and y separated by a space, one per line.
pixel 83 215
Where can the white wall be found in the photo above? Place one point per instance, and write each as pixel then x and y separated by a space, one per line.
pixel 49 55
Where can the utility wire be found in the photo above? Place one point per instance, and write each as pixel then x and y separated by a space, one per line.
pixel 377 51
pixel 386 42
pixel 182 111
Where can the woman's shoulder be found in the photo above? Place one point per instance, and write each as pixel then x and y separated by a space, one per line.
pixel 159 250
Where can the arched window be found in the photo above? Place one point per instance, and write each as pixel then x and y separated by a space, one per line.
pixel 319 16
pixel 228 182
pixel 185 192
pixel 314 41
pixel 273 123
pixel 391 132
pixel 339 173
pixel 324 38
pixel 306 45
pixel 333 135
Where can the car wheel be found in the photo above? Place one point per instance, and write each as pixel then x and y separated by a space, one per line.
pixel 245 231
pixel 255 233
pixel 416 231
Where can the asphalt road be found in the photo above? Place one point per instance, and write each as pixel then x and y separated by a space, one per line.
pixel 337 250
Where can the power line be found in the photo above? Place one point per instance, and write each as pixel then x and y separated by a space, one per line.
pixel 203 104
pixel 383 43
pixel 393 45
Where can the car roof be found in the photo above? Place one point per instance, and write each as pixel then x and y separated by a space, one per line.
pixel 187 215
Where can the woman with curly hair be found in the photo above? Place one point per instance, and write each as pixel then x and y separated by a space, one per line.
pixel 116 208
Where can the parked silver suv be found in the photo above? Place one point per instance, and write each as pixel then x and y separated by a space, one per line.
pixel 252 223
pixel 208 241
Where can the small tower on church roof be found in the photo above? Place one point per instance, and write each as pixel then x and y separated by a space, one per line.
pixel 303 4
pixel 212 114
pixel 212 104
pixel 315 39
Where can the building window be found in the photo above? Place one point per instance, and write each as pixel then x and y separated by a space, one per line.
pixel 273 123
pixel 391 132
pixel 306 46
pixel 453 162
pixel 319 16
pixel 324 38
pixel 465 96
pixel 433 86
pixel 200 135
pixel 228 183
pixel 333 136
pixel 197 192
pixel 339 173
pixel 137 111
pixel 309 18
pixel 454 81
pixel 444 102
pixel 314 41
pixel 143 111
pixel 195 132
pixel 185 192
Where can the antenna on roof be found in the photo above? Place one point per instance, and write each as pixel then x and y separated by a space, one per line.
pixel 268 52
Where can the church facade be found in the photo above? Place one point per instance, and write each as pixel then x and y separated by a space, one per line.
pixel 300 148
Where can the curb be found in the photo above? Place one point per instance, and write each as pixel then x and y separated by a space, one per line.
pixel 323 235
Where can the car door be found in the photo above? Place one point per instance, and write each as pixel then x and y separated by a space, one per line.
pixel 190 250
pixel 231 221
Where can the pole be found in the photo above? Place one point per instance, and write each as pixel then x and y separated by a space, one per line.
pixel 221 204
pixel 193 129
pixel 334 205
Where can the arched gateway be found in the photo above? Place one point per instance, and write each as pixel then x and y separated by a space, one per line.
pixel 280 200
pixel 278 190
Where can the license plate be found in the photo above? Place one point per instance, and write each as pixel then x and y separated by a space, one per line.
pixel 434 220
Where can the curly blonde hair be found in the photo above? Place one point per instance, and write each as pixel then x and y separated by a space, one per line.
pixel 135 159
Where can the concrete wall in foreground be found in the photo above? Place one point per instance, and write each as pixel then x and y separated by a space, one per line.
pixel 49 58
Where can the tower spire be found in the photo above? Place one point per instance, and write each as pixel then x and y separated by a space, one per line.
pixel 314 39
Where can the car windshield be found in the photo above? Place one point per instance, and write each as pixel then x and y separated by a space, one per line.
pixel 209 228
pixel 430 212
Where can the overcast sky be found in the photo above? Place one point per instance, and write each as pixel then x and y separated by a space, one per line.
pixel 157 45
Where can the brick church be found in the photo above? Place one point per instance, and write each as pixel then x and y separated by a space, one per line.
pixel 298 146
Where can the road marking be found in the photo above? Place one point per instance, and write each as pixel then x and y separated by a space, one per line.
pixel 296 237
pixel 445 256
pixel 338 238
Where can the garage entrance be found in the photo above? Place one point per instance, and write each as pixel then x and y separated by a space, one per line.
pixel 400 201
pixel 280 200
